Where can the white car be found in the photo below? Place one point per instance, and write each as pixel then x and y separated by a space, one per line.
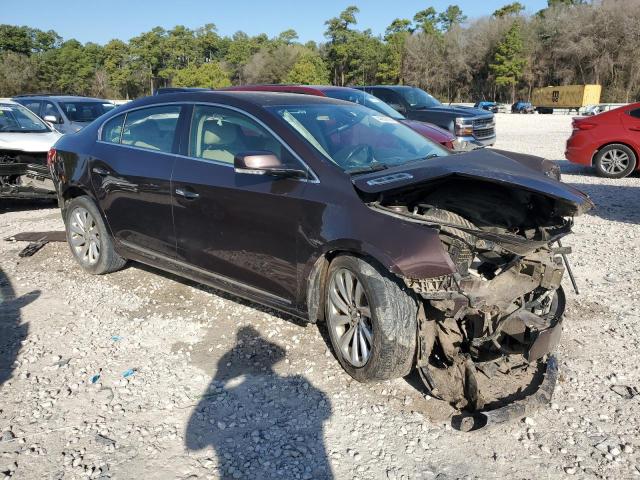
pixel 25 141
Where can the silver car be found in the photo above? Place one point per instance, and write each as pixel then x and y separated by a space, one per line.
pixel 67 114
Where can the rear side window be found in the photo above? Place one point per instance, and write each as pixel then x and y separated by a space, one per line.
pixel 32 105
pixel 635 113
pixel 152 128
pixel 112 130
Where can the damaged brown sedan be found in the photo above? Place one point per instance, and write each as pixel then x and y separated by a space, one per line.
pixel 413 257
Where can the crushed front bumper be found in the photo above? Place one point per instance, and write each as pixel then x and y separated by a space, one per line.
pixel 518 409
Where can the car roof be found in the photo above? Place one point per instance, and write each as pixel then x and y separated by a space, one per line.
pixel 254 98
pixel 392 87
pixel 62 98
pixel 319 90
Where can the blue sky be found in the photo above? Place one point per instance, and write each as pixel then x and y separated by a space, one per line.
pixel 100 21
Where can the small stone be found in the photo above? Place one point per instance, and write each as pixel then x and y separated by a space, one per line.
pixel 615 451
pixel 222 425
pixel 529 421
pixel 570 470
pixel 627 448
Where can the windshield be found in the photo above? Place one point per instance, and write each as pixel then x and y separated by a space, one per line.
pixel 85 112
pixel 418 98
pixel 366 99
pixel 16 118
pixel 357 138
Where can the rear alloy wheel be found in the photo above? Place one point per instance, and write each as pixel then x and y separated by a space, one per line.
pixel 615 161
pixel 371 318
pixel 88 238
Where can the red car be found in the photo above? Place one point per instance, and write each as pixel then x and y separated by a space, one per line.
pixel 427 130
pixel 609 141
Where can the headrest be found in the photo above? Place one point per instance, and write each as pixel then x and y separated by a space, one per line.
pixel 147 128
pixel 218 132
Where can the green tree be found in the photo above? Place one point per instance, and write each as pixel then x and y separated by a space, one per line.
pixel 18 74
pixel 427 21
pixel 309 69
pixel 287 37
pixel 148 48
pixel 515 8
pixel 207 75
pixel 450 17
pixel 340 34
pixel 391 65
pixel 509 60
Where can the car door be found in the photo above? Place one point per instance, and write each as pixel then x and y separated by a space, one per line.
pixel 631 122
pixel 50 109
pixel 393 99
pixel 131 176
pixel 239 228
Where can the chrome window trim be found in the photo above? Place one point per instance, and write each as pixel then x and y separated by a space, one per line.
pixel 313 177
pixel 216 276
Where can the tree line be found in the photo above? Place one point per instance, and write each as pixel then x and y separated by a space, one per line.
pixel 498 57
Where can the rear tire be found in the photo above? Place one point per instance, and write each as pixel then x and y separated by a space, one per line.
pixel 367 303
pixel 615 161
pixel 88 238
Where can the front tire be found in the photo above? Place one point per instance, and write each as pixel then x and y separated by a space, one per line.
pixel 615 161
pixel 88 238
pixel 371 320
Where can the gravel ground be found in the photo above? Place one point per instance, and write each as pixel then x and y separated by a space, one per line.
pixel 140 374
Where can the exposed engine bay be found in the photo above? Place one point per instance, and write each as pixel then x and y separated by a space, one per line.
pixel 25 175
pixel 485 332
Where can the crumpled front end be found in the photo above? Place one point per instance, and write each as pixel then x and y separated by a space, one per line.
pixel 487 330
pixel 25 175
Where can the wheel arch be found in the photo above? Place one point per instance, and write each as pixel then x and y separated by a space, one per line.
pixel 317 278
pixel 626 144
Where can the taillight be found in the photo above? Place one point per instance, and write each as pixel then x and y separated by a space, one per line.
pixel 582 125
pixel 51 156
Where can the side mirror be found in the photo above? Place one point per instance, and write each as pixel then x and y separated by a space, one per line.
pixel 264 163
pixel 51 119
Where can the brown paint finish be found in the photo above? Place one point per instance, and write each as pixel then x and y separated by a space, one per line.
pixel 259 236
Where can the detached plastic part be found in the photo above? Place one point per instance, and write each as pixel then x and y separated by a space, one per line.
pixel 519 409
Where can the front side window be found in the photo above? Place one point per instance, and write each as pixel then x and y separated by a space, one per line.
pixel 50 110
pixel 635 113
pixel 152 128
pixel 16 118
pixel 356 138
pixel 418 98
pixel 84 112
pixel 112 130
pixel 219 134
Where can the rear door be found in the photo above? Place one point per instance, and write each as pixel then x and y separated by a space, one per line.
pixel 131 176
pixel 238 228
pixel 631 122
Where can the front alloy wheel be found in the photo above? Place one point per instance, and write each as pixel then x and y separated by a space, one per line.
pixel 371 319
pixel 350 317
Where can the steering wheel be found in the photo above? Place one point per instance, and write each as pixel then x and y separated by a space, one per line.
pixel 349 155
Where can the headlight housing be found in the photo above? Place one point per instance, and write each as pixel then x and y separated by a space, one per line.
pixel 463 127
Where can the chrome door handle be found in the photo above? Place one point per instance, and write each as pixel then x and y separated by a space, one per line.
pixel 188 194
pixel 100 171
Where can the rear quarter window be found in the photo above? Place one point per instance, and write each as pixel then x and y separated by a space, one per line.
pixel 112 130
pixel 635 113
